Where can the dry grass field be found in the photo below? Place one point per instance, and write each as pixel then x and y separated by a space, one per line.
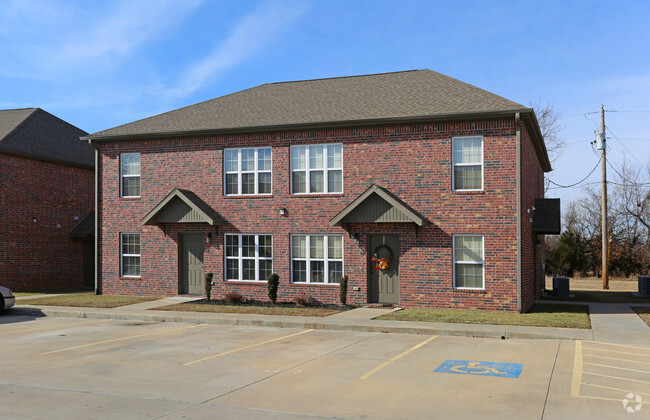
pixel 617 284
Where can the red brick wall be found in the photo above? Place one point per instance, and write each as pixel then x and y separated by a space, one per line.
pixel 412 161
pixel 532 257
pixel 39 255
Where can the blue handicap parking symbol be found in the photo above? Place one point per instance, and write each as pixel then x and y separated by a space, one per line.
pixel 468 367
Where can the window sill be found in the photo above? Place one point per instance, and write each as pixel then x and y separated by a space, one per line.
pixel 315 284
pixel 247 282
pixel 129 277
pixel 131 198
pixel 319 195
pixel 476 291
pixel 244 196
pixel 469 192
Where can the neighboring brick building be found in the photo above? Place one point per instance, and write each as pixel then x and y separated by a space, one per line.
pixel 46 190
pixel 312 179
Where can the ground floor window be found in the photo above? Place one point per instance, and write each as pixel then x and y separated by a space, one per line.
pixel 316 258
pixel 130 254
pixel 249 257
pixel 468 262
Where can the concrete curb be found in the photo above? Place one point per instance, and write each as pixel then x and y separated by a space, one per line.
pixel 337 324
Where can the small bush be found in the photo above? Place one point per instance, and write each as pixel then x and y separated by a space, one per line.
pixel 234 297
pixel 272 282
pixel 304 300
pixel 343 283
pixel 208 285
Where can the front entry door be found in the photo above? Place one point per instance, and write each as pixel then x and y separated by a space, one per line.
pixel 191 264
pixel 383 285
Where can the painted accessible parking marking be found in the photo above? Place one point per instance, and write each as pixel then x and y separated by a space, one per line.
pixel 469 367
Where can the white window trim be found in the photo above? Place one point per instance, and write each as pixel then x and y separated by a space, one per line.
pixel 326 260
pixel 455 164
pixel 241 258
pixel 240 172
pixel 123 175
pixel 325 169
pixel 454 262
pixel 122 254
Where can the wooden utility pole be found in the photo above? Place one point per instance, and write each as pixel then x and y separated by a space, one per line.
pixel 603 156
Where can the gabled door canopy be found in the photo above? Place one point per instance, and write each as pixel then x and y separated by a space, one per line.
pixel 183 206
pixel 378 205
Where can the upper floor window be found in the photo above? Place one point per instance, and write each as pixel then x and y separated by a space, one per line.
pixel 249 257
pixel 468 163
pixel 468 262
pixel 247 171
pixel 130 255
pixel 317 169
pixel 130 174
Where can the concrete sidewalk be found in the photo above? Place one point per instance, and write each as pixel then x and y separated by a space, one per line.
pixel 360 319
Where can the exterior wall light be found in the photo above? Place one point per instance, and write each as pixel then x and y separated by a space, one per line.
pixel 283 211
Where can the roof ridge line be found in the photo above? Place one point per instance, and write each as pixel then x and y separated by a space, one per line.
pixel 343 77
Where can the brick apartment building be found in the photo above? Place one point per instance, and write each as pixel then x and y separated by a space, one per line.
pixel 46 198
pixel 440 180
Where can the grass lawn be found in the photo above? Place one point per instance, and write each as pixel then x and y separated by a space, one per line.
pixel 87 300
pixel 604 296
pixel 541 315
pixel 251 309
pixel 644 313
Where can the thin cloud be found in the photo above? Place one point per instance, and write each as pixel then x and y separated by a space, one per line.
pixel 131 24
pixel 249 36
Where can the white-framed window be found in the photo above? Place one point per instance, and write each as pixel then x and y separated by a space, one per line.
pixel 317 169
pixel 249 257
pixel 247 171
pixel 467 163
pixel 130 174
pixel 130 255
pixel 468 262
pixel 316 258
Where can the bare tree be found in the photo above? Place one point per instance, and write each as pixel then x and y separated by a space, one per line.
pixel 548 119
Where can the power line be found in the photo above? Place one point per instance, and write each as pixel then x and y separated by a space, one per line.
pixel 577 183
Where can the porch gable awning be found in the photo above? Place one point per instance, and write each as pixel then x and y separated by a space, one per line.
pixel 378 205
pixel 183 206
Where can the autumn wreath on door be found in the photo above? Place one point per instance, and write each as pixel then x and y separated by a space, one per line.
pixel 383 256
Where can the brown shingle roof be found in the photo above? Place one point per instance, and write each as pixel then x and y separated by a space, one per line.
pixel 37 134
pixel 407 94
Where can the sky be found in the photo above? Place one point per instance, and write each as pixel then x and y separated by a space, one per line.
pixel 101 64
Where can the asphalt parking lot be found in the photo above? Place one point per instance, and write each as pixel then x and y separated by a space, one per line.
pixel 90 368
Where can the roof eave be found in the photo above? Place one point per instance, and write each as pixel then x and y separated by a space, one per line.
pixel 46 159
pixel 308 125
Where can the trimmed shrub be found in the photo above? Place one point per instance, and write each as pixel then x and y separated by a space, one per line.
pixel 343 283
pixel 208 285
pixel 272 282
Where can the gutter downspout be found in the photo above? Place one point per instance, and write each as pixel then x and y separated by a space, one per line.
pixel 96 216
pixel 518 177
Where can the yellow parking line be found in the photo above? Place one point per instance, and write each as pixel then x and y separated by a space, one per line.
pixel 616 367
pixel 616 358
pixel 616 377
pixel 244 348
pixel 611 399
pixel 577 370
pixel 619 352
pixel 399 356
pixel 121 339
pixel 620 345
pixel 50 327
pixel 614 389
